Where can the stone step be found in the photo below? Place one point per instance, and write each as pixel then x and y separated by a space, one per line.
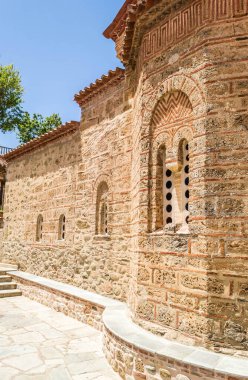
pixel 5 278
pixel 10 293
pixel 2 273
pixel 5 266
pixel 7 285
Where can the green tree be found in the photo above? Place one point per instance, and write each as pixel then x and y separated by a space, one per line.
pixel 12 115
pixel 11 93
pixel 32 127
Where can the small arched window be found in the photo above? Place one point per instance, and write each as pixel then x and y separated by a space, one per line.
pixel 102 209
pixel 39 228
pixel 2 190
pixel 61 234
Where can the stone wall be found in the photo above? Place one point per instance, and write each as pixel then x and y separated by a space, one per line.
pixel 72 306
pixel 191 285
pixel 132 352
pixel 62 177
pixel 185 281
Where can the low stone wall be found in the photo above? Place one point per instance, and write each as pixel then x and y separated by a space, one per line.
pixel 137 354
pixel 82 310
pixel 133 352
pixel 136 364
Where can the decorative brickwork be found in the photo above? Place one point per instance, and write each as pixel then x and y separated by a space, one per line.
pixel 187 21
pixel 153 184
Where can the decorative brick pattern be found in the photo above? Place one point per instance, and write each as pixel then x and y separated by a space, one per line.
pixel 187 21
pixel 184 284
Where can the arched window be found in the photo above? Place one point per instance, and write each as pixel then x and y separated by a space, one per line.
pixel 2 190
pixel 102 209
pixel 39 228
pixel 173 109
pixel 61 234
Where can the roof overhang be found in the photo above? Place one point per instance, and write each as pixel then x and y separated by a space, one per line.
pixel 52 135
pixel 113 77
pixel 123 26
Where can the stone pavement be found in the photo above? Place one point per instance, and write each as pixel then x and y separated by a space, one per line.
pixel 41 344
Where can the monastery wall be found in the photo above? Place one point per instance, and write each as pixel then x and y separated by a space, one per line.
pixel 62 177
pixel 154 187
pixel 191 284
pixel 42 182
pixel 106 152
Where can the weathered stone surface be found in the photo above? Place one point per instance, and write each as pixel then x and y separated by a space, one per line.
pixel 181 266
pixel 76 351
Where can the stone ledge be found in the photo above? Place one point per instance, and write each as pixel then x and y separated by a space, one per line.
pixel 8 267
pixel 143 341
pixel 70 290
pixel 77 303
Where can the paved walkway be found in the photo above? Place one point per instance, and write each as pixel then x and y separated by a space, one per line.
pixel 40 344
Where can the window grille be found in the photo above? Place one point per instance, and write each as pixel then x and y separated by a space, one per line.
pixel 39 228
pixel 102 209
pixel 61 227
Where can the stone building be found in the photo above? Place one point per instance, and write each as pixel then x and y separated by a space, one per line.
pixel 145 199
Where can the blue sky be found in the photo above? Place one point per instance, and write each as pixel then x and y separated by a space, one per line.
pixel 58 48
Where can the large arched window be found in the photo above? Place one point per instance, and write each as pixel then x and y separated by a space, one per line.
pixel 171 121
pixel 39 228
pixel 102 227
pixel 61 232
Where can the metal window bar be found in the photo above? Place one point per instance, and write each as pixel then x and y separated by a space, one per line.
pixel 4 150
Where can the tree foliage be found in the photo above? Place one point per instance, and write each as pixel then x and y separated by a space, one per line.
pixel 12 115
pixel 11 93
pixel 32 127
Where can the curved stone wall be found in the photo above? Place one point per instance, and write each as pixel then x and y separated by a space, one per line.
pixel 193 286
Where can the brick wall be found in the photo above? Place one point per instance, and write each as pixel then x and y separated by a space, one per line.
pixel 192 286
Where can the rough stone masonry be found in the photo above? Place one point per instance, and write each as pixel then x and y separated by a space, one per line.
pixel 145 200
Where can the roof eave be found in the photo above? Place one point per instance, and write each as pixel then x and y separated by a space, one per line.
pixel 93 89
pixel 54 134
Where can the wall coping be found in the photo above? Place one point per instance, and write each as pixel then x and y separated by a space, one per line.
pixel 119 323
pixel 117 320
pixel 97 299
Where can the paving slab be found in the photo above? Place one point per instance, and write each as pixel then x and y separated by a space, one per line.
pixel 39 343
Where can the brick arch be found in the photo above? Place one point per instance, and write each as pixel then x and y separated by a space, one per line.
pixel 179 82
pixel 175 105
pixel 163 138
pixel 184 133
pixel 178 99
pixel 102 178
